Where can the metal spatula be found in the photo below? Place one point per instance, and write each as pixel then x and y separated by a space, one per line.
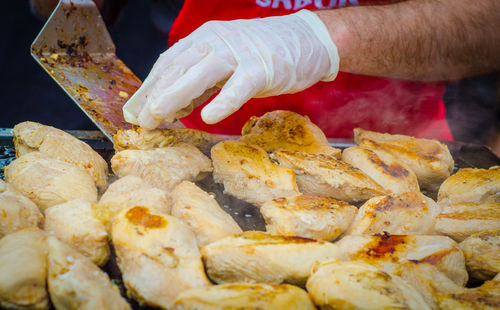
pixel 75 48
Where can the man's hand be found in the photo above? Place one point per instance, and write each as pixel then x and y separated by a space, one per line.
pixel 248 58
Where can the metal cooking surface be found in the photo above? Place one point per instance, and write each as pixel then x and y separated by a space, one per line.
pixel 245 214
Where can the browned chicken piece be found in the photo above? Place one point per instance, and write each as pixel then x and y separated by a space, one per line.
pixel 48 181
pixel 157 255
pixel 482 254
pixel 324 175
pixel 163 168
pixel 441 293
pixel 16 211
pixel 357 285
pixel 471 185
pixel 429 159
pixel 308 216
pixel 53 142
pixel 255 256
pixel 391 173
pixel 389 251
pixel 286 130
pixel 410 213
pixel 74 223
pixel 201 212
pixel 248 174
pixel 23 270
pixel 248 296
pixel 459 221
pixel 130 191
pixel 144 139
pixel 74 282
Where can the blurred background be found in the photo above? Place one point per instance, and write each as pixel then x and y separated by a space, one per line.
pixel 139 29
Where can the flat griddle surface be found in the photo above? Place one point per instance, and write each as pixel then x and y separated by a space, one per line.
pixel 245 214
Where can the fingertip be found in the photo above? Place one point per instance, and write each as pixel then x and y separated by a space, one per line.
pixel 147 120
pixel 214 113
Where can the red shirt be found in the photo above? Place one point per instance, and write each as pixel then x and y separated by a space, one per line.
pixel 380 104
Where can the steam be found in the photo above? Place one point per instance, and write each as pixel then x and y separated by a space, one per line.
pixel 391 106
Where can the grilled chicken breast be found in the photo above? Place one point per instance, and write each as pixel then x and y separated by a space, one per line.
pixel 308 216
pixel 388 171
pixel 16 211
pixel 144 139
pixel 471 185
pixel 326 176
pixel 357 285
pixel 157 255
pixel 201 212
pixel 248 174
pixel 49 181
pixel 237 296
pixel 261 257
pixel 459 221
pixel 429 159
pixel 163 168
pixel 389 251
pixel 23 270
pixel 482 254
pixel 440 292
pixel 74 223
pixel 74 282
pixel 130 191
pixel 286 130
pixel 53 142
pixel 410 213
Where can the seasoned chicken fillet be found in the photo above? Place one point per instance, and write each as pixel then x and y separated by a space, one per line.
pixel 49 181
pixel 16 211
pixel 23 270
pixel 389 251
pixel 74 282
pixel 248 174
pixel 308 216
pixel 157 255
pixel 482 254
pixel 53 142
pixel 429 159
pixel 440 292
pixel 237 296
pixel 74 223
pixel 410 213
pixel 255 256
pixel 163 168
pixel 471 185
pixel 326 176
pixel 459 221
pixel 145 139
pixel 286 130
pixel 357 285
pixel 130 191
pixel 201 212
pixel 388 171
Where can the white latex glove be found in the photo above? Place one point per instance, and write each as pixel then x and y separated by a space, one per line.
pixel 251 58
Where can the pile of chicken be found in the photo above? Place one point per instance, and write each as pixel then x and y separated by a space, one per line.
pixel 345 230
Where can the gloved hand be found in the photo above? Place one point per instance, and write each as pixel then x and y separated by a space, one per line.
pixel 249 58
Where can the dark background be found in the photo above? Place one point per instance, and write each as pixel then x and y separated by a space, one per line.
pixel 140 35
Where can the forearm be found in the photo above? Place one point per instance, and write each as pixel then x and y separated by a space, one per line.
pixel 418 39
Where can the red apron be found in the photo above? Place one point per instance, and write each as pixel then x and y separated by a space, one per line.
pixel 380 104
